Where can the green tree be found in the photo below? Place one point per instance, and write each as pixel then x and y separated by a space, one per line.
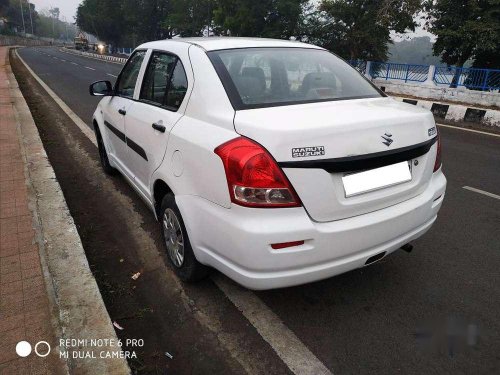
pixel 465 29
pixel 103 18
pixel 4 4
pixel 124 22
pixel 150 19
pixel 191 17
pixel 260 18
pixel 360 29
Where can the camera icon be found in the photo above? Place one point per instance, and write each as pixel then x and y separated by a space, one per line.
pixel 42 349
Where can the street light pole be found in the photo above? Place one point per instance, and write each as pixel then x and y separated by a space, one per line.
pixel 52 13
pixel 22 15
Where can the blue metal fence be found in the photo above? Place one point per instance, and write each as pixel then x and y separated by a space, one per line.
pixel 472 78
pixel 125 51
pixel 359 65
pixel 404 72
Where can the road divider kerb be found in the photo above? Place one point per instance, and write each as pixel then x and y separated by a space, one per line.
pixel 296 356
pixel 96 56
pixel 73 291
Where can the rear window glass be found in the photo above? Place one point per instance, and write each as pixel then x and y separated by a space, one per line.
pixel 263 77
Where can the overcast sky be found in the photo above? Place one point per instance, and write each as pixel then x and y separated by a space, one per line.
pixel 67 7
pixel 68 10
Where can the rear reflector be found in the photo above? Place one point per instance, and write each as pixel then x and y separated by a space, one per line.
pixel 283 245
pixel 437 163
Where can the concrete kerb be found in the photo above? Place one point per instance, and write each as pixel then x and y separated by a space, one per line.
pixel 458 113
pixel 76 301
pixel 113 59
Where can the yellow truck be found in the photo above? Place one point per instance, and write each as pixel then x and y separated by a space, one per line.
pixel 81 42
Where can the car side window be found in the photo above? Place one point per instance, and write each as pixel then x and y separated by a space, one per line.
pixel 157 78
pixel 178 87
pixel 129 74
pixel 165 81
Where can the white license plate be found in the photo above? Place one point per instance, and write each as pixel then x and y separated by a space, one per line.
pixel 375 179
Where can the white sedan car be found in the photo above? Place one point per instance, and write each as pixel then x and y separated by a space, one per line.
pixel 273 161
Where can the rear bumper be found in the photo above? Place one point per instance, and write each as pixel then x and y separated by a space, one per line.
pixel 237 241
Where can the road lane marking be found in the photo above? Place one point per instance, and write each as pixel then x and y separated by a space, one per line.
pixel 88 67
pixel 479 191
pixel 63 60
pixel 72 115
pixel 112 75
pixel 469 130
pixel 74 63
pixel 296 356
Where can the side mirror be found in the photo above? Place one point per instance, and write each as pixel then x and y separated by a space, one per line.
pixel 101 88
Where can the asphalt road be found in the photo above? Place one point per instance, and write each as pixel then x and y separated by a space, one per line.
pixel 434 311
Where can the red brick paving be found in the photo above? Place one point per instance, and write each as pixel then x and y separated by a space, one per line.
pixel 24 304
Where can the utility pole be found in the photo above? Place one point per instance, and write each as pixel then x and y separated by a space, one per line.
pixel 66 26
pixel 31 20
pixel 22 15
pixel 53 16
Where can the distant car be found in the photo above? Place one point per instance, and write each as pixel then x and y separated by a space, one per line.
pixel 273 161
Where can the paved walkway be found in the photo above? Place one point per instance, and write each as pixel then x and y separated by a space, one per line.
pixel 24 304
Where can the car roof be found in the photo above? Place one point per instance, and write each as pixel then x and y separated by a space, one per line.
pixel 224 42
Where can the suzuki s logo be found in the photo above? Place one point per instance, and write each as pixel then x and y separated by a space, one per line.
pixel 387 139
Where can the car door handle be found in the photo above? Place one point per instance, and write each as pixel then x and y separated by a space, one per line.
pixel 159 127
pixel 122 112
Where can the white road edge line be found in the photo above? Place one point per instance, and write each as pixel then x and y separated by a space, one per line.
pixel 479 191
pixel 469 130
pixel 88 67
pixel 112 75
pixel 299 359
pixel 72 115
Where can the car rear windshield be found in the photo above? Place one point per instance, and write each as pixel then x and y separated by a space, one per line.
pixel 265 77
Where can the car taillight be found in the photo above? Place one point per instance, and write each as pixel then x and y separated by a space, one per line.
pixel 253 176
pixel 437 163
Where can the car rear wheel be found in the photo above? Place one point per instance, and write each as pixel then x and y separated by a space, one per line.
pixel 177 245
pixel 103 156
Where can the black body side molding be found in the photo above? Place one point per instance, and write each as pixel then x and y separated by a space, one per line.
pixel 130 143
pixel 363 162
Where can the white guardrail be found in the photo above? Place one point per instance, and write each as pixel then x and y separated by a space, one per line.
pixel 115 59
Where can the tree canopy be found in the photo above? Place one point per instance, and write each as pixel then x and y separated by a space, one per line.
pixel 465 29
pixel 354 29
pixel 260 18
pixel 361 28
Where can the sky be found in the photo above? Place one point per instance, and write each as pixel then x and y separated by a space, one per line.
pixel 68 10
pixel 67 7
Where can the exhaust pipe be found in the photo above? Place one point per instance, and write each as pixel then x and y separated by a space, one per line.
pixel 408 247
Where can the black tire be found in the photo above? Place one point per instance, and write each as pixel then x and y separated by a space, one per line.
pixel 103 155
pixel 190 270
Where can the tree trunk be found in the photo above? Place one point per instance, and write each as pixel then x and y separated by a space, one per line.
pixel 456 77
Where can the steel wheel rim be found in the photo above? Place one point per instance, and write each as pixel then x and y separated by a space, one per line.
pixel 174 239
